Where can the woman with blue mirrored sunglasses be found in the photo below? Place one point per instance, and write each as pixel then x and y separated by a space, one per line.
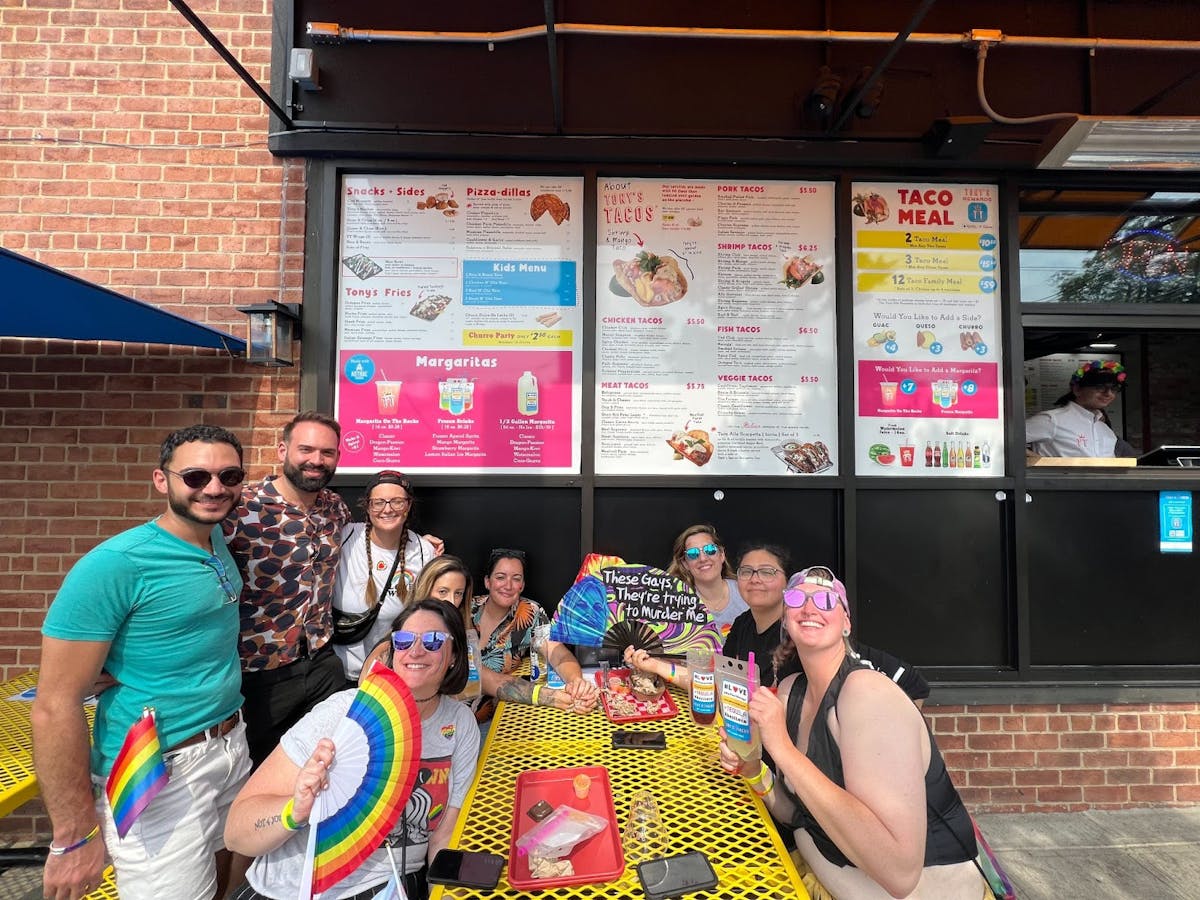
pixel 698 559
pixel 270 818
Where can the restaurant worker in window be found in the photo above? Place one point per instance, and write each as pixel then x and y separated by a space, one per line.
pixel 1077 424
pixel 856 771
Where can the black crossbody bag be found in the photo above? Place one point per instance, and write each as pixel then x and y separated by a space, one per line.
pixel 350 628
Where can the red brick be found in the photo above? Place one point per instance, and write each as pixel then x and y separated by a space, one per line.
pixel 1038 777
pixel 1151 794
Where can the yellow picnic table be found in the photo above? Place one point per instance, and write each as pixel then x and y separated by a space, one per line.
pixel 18 781
pixel 702 807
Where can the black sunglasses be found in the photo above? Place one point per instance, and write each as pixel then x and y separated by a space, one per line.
pixel 231 476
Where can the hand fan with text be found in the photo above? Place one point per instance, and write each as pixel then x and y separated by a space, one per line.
pixel 626 604
pixel 378 753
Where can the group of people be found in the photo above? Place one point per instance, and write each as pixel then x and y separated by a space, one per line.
pixel 245 614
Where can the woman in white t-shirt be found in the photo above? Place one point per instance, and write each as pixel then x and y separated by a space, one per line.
pixel 269 818
pixel 373 572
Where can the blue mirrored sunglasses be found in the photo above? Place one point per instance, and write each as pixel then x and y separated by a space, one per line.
pixel 693 553
pixel 430 640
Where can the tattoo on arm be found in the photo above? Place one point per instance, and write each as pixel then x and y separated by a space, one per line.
pixel 267 822
pixel 514 690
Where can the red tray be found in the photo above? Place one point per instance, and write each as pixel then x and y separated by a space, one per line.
pixel 596 860
pixel 647 710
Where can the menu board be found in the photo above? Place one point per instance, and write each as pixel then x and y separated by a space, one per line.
pixel 927 330
pixel 459 323
pixel 715 328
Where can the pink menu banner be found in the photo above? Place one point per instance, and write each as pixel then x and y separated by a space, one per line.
pixel 925 390
pixel 455 409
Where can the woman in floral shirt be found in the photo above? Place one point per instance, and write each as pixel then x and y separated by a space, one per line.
pixel 506 622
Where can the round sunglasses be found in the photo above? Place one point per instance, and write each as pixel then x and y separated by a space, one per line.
pixel 230 476
pixel 693 553
pixel 430 640
pixel 825 601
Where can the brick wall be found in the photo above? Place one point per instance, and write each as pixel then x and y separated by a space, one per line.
pixel 1057 758
pixel 130 155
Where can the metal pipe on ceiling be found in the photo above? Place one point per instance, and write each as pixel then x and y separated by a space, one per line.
pixel 331 32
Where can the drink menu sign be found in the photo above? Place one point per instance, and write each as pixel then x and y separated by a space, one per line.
pixel 926 330
pixel 715 328
pixel 459 323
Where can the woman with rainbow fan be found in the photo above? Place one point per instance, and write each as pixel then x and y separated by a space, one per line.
pixel 269 819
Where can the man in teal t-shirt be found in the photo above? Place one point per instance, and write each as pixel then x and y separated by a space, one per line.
pixel 155 609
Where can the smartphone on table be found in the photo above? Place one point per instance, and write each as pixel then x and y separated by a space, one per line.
pixel 466 868
pixel 639 740
pixel 670 876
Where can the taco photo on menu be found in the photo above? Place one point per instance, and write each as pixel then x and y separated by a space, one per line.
pixel 694 446
pixel 649 279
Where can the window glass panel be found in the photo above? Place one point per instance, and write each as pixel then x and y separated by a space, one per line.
pixel 1087 247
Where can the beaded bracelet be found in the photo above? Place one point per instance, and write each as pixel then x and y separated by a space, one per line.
pixel 87 839
pixel 537 689
pixel 286 819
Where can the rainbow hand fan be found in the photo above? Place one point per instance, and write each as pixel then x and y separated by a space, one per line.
pixel 627 604
pixel 138 773
pixel 378 753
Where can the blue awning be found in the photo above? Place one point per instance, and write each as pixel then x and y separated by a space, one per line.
pixel 43 302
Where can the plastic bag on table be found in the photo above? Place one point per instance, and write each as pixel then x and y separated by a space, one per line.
pixel 559 833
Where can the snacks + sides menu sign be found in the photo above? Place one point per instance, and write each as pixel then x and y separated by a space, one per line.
pixel 927 330
pixel 715 328
pixel 459 323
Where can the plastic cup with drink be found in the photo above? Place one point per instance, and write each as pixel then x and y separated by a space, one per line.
pixel 887 392
pixel 387 395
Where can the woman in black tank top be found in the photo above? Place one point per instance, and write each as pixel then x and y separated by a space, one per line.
pixel 858 774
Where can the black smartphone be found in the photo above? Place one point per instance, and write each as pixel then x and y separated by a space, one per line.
pixel 671 876
pixel 639 740
pixel 468 868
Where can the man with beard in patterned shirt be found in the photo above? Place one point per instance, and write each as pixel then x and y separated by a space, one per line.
pixel 284 537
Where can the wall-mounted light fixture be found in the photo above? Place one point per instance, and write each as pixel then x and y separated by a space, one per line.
pixel 822 100
pixel 302 69
pixel 272 328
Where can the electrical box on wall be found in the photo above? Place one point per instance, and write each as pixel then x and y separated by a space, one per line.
pixel 302 69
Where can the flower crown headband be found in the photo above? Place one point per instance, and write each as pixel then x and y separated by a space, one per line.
pixel 1095 366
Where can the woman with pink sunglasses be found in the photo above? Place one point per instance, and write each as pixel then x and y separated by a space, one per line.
pixel 856 772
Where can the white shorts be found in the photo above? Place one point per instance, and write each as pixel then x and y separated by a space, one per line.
pixel 170 850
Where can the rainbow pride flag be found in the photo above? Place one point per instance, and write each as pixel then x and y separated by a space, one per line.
pixel 138 773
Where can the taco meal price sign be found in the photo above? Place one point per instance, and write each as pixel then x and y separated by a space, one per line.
pixel 715 328
pixel 927 329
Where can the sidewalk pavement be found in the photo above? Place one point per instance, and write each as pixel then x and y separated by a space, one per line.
pixel 1130 854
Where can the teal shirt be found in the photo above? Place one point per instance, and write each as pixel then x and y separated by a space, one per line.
pixel 173 633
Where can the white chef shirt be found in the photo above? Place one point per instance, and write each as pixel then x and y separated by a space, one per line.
pixel 1070 430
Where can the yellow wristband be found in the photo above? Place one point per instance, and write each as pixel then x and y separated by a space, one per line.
pixel 762 783
pixel 757 777
pixel 537 689
pixel 286 819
